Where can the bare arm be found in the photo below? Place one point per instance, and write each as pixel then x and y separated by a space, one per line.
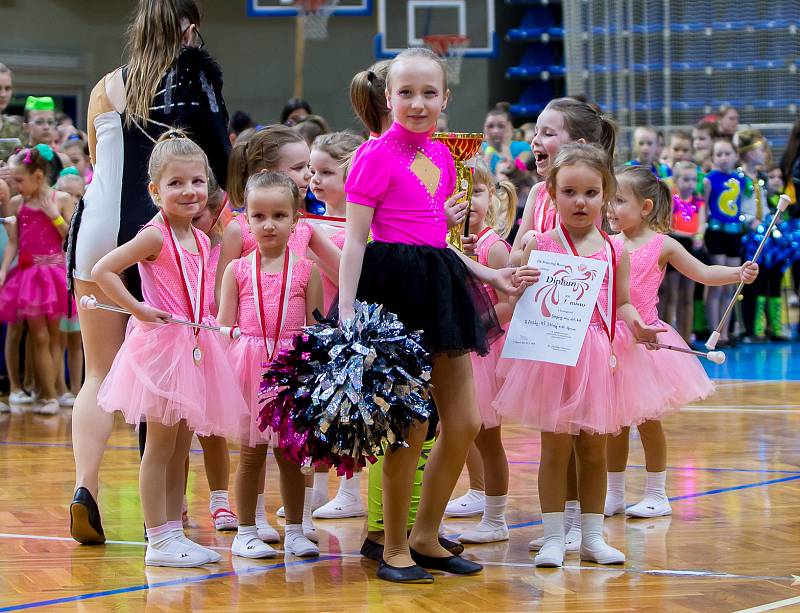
pixel 11 248
pixel 230 250
pixel 689 266
pixel 313 296
pixel 359 220
pixel 498 259
pixel 106 273
pixel 526 223
pixel 327 253
pixel 229 298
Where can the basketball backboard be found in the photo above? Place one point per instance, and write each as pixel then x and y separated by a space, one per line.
pixel 286 8
pixel 404 23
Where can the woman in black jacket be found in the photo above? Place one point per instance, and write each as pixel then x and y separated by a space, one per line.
pixel 168 82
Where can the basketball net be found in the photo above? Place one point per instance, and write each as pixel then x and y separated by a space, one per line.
pixel 451 48
pixel 314 15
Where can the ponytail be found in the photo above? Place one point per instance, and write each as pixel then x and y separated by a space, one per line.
pixel 646 186
pixel 368 98
pixel 503 211
pixel 585 120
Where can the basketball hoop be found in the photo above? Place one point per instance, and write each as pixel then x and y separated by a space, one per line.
pixel 451 48
pixel 314 15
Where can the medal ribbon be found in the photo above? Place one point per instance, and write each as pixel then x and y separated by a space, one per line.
pixel 482 236
pixel 609 317
pixel 195 306
pixel 258 296
pixel 325 220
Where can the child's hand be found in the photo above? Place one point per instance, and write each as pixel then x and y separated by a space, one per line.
pixel 468 244
pixel 345 313
pixel 455 211
pixel 50 207
pixel 748 272
pixel 525 276
pixel 503 281
pixel 145 312
pixel 646 334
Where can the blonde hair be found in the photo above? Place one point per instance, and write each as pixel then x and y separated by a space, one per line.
pixel 368 95
pixel 417 52
pixel 172 145
pixel 6 70
pixel 70 178
pixel 216 198
pixel 267 179
pixel 340 146
pixel 502 199
pixel 683 165
pixel 153 44
pixel 262 151
pixel 583 153
pixel 646 186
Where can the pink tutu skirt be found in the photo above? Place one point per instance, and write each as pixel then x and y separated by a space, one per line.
pixel 248 359
pixel 38 290
pixel 487 382
pixel 154 378
pixel 564 399
pixel 652 384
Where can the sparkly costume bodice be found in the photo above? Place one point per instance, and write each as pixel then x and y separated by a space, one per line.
pixel 37 234
pixel 646 276
pixel 484 246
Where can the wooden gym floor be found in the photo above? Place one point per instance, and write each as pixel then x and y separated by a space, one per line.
pixel 733 542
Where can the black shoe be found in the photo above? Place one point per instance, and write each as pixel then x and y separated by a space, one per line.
pixel 451 546
pixel 455 565
pixel 84 519
pixel 407 574
pixel 372 550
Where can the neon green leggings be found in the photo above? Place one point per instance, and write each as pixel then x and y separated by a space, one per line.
pixel 375 490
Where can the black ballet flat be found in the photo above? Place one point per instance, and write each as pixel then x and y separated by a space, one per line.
pixel 372 550
pixel 84 519
pixel 455 565
pixel 408 574
pixel 451 546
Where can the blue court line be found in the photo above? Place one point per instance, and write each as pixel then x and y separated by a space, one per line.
pixel 174 582
pixel 522 462
pixel 190 580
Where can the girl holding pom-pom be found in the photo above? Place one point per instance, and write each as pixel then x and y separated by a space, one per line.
pixel 271 293
pixel 397 187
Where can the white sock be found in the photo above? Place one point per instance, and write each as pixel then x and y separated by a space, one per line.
pixel 552 550
pixel 219 500
pixel 616 485
pixel 321 486
pixel 159 535
pixel 494 514
pixel 572 515
pixel 261 514
pixel 593 545
pixel 350 487
pixel 247 531
pixel 655 486
pixel 307 502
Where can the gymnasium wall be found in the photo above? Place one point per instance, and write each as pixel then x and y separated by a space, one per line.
pixel 64 46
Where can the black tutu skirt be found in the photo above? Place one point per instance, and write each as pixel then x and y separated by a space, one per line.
pixel 430 289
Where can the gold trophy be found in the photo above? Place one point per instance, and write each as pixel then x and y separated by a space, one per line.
pixel 463 147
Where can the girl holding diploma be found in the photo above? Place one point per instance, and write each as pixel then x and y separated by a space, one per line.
pixel 576 406
pixel 652 383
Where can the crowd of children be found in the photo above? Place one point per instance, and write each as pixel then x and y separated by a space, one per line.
pixel 313 220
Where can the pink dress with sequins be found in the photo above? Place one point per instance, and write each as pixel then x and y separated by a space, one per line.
pixel 653 383
pixel 211 276
pixel 247 354
pixel 37 286
pixel 154 377
pixel 299 239
pixel 484 369
pixel 565 399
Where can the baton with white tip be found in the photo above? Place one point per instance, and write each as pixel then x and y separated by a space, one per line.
pixel 90 302
pixel 712 341
pixel 718 357
pixel 10 219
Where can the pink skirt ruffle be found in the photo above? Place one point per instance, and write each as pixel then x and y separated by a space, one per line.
pixel 248 359
pixel 487 382
pixel 39 290
pixel 652 384
pixel 564 399
pixel 154 378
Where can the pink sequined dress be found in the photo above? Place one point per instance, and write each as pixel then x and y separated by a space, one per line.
pixel 247 354
pixel 37 286
pixel 565 399
pixel 653 383
pixel 330 289
pixel 484 369
pixel 211 276
pixel 154 377
pixel 299 239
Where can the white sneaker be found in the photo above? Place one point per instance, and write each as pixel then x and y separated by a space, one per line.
pixel 572 540
pixel 310 532
pixel 224 519
pixel 471 503
pixel 48 407
pixel 4 408
pixel 250 547
pixel 67 399
pixel 613 506
pixel 281 512
pixel 175 554
pixel 339 508
pixel 485 534
pixel 551 555
pixel 267 533
pixel 212 557
pixel 650 507
pixel 19 397
pixel 298 545
pixel 602 553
